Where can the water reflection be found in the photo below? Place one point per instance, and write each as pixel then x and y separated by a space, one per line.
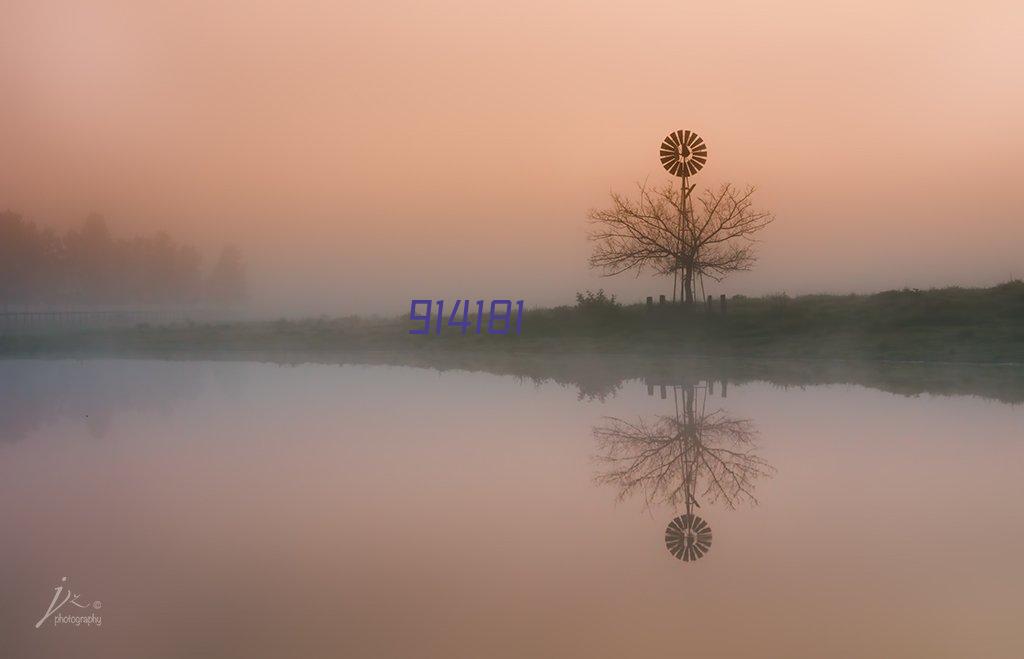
pixel 36 393
pixel 697 453
pixel 206 496
pixel 600 376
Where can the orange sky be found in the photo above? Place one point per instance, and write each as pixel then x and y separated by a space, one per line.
pixel 365 153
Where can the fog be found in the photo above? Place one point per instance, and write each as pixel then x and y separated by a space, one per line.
pixel 362 154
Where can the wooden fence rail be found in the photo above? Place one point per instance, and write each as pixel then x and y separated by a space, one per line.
pixel 29 322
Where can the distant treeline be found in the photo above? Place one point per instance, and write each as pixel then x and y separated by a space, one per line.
pixel 87 265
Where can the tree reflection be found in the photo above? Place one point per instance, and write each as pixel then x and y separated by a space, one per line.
pixel 696 454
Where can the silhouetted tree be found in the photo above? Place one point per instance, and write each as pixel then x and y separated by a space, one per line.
pixel 30 261
pixel 226 282
pixel 676 459
pixel 715 237
pixel 165 271
pixel 88 265
pixel 92 262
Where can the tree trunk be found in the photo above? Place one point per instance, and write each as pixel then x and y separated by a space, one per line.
pixel 688 286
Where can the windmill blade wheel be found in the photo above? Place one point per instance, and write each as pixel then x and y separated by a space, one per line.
pixel 683 153
pixel 688 537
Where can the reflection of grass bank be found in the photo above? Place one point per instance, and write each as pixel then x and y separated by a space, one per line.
pixel 948 325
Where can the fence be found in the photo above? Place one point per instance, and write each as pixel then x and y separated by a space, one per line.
pixel 663 304
pixel 664 385
pixel 51 321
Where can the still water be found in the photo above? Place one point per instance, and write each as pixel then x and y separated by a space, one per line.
pixel 229 509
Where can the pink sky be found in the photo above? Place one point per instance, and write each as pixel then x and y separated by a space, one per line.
pixel 365 153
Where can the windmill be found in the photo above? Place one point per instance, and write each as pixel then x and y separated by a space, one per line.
pixel 683 154
pixel 688 537
pixel 680 460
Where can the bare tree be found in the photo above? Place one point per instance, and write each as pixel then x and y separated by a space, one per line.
pixel 656 230
pixel 674 460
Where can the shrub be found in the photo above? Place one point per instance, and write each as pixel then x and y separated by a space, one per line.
pixel 599 301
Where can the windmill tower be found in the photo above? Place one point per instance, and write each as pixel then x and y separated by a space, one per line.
pixel 688 537
pixel 683 154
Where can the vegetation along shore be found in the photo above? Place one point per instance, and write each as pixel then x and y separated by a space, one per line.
pixel 976 325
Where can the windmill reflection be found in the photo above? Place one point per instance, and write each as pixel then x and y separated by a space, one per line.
pixel 696 454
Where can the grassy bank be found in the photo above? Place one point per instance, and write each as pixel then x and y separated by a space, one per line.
pixel 942 325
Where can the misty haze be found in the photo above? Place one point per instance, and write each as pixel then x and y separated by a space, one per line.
pixel 494 330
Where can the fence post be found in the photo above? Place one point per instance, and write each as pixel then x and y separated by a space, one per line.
pixel 664 392
pixel 722 300
pixel 710 308
pixel 650 304
pixel 661 300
